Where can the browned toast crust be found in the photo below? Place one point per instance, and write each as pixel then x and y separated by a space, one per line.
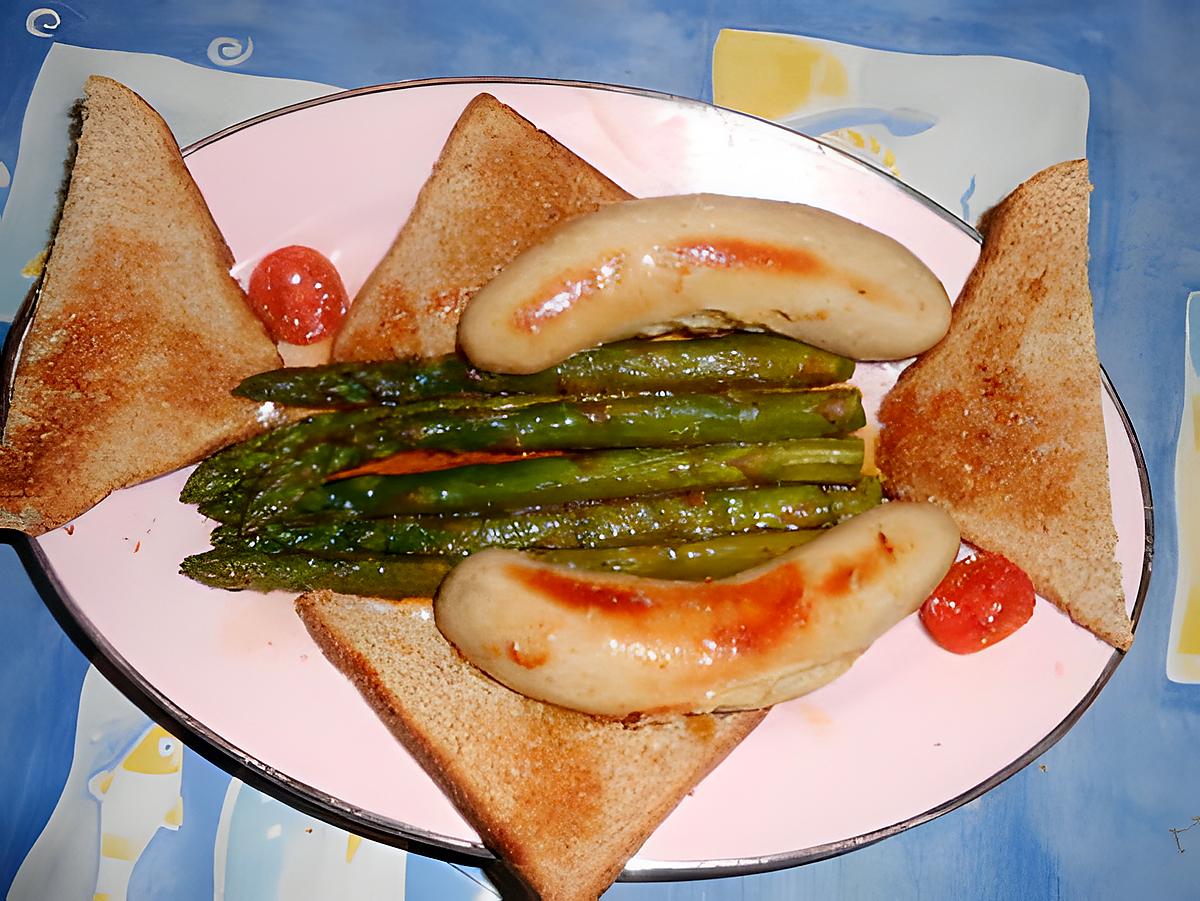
pixel 1001 423
pixel 497 189
pixel 564 798
pixel 139 332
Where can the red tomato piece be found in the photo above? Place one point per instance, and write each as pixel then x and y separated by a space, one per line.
pixel 982 600
pixel 298 295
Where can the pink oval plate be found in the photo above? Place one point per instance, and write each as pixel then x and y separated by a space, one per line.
pixel 909 733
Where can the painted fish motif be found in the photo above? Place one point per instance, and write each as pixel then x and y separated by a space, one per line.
pixel 1183 651
pixel 138 796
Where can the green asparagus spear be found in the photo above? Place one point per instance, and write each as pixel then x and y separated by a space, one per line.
pixel 401 576
pixel 235 568
pixel 305 453
pixel 225 470
pixel 579 477
pixel 643 421
pixel 700 364
pixel 715 558
pixel 692 516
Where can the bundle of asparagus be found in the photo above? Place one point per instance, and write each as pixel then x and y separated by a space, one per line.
pixel 684 459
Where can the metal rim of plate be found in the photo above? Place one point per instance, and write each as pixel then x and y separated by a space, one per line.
pixel 303 797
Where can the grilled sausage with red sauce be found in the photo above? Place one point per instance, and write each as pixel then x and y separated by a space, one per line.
pixel 613 645
pixel 701 262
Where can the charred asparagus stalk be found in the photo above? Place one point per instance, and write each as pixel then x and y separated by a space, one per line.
pixel 579 477
pixel 696 365
pixel 642 421
pixel 693 516
pixel 399 576
pixel 236 568
pixel 225 470
pixel 696 561
pixel 324 445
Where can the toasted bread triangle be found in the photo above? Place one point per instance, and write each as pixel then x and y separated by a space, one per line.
pixel 1001 423
pixel 139 332
pixel 565 799
pixel 497 189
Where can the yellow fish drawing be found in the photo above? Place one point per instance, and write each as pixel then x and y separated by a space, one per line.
pixel 137 797
pixel 263 849
pixel 781 76
pixel 862 144
pixel 1183 651
pixel 773 75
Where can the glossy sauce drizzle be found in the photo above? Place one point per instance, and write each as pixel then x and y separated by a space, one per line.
pixel 734 617
pixel 733 253
pixel 567 291
pixel 564 292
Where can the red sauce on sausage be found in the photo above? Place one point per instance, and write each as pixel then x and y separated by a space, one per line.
pixel 839 581
pixel 524 657
pixel 734 253
pixel 735 617
pixel 738 617
pixel 846 576
pixel 564 292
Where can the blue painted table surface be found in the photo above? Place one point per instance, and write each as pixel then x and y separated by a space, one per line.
pixel 1092 818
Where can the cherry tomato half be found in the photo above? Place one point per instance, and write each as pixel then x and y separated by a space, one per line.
pixel 298 295
pixel 982 600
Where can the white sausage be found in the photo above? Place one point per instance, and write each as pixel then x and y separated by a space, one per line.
pixel 613 644
pixel 703 262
